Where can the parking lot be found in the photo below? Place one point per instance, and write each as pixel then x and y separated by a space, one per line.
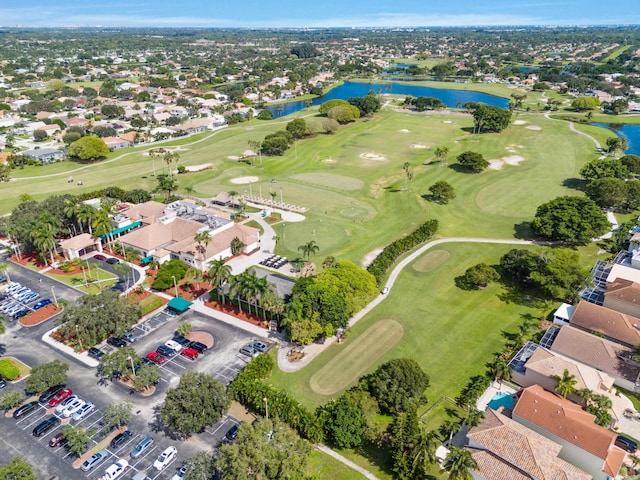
pixel 222 361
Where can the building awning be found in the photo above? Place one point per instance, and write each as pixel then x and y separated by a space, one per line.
pixel 179 305
pixel 146 259
pixel 120 230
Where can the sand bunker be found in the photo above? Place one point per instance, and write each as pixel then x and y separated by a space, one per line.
pixel 233 157
pixel 404 130
pixel 533 127
pixel 243 180
pixel 495 164
pixel 329 160
pixel 519 122
pixel 198 168
pixel 513 159
pixel 370 257
pixel 447 121
pixel 372 156
pixel 418 146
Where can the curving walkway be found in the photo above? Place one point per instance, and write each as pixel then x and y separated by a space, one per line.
pixel 572 127
pixel 313 350
pixel 346 461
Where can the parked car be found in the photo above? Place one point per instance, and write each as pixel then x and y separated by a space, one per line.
pixel 20 313
pixel 232 433
pixel 83 411
pixel 95 353
pixel 119 439
pixel 72 408
pixel 146 361
pixel 261 347
pixel 198 347
pixel 626 444
pixel 65 403
pixel 59 397
pixel 180 473
pixel 57 440
pixel 41 303
pixel 249 350
pixel 94 460
pixel 115 470
pixel 175 346
pixel 189 353
pixel 46 425
pixel 142 445
pixel 3 383
pixel 50 392
pixel 155 357
pixel 100 257
pixel 181 340
pixel 165 458
pixel 384 291
pixel 166 351
pixel 112 260
pixel 25 409
pixel 116 342
pixel 129 336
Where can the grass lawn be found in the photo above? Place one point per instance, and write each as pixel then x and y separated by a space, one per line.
pixel 323 466
pixel 106 280
pixel 24 369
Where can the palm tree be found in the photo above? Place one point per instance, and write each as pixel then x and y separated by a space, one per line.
pixel 233 194
pixel 202 239
pixel 72 209
pixel 425 449
pixel 309 248
pixel 102 224
pixel 500 369
pixel 458 463
pixel 44 238
pixel 236 246
pixel 565 384
pixel 441 154
pixel 219 272
pixel 87 214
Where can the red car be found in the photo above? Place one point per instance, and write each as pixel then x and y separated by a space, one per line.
pixel 57 440
pixel 189 353
pixel 59 397
pixel 155 357
pixel 100 257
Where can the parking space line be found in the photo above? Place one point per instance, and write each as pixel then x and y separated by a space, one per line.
pixel 144 456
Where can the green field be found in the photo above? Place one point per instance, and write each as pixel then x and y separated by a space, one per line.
pixel 325 467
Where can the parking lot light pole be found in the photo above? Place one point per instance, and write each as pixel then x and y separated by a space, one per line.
pixel 266 407
pixel 175 286
pixel 133 369
pixel 78 335
pixel 53 291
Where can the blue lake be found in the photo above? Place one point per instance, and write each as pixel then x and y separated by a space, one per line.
pixel 630 132
pixel 355 89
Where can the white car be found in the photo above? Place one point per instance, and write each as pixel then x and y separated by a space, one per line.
pixel 175 346
pixel 181 473
pixel 63 404
pixel 72 408
pixel 83 411
pixel 165 458
pixel 115 470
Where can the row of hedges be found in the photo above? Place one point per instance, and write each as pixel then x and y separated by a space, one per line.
pixel 250 389
pixel 392 252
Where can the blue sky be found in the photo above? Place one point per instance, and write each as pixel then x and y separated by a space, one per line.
pixel 315 13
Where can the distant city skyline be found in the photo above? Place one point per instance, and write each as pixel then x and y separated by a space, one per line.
pixel 319 13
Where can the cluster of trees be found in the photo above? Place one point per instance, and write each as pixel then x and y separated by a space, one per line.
pixel 18 469
pixel 573 220
pixel 584 103
pixel 367 105
pixel 125 362
pixel 46 375
pixel 611 182
pixel 379 267
pixel 477 276
pixel 424 103
pixel 88 148
pixel 472 161
pixel 340 110
pixel 325 302
pixel 556 273
pixel 167 272
pixel 93 318
pixel 488 118
pixel 277 143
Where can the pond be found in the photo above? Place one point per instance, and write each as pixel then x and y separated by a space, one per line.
pixel 630 132
pixel 452 98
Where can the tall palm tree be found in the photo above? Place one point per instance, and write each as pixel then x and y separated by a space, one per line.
pixel 441 154
pixel 458 463
pixel 87 214
pixel 72 208
pixel 219 272
pixel 500 369
pixel 44 238
pixel 102 224
pixel 202 239
pixel 424 453
pixel 566 383
pixel 309 248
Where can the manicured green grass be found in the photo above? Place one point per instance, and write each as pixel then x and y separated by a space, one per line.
pixel 633 119
pixel 325 467
pixel 106 280
pixel 615 53
pixel 452 333
pixel 254 224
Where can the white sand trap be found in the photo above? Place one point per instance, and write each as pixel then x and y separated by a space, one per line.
pixel 513 159
pixel 447 121
pixel 511 150
pixel 370 257
pixel 519 122
pixel 520 146
pixel 198 168
pixel 329 160
pixel 533 127
pixel 372 156
pixel 233 157
pixel 495 164
pixel 419 146
pixel 404 130
pixel 243 180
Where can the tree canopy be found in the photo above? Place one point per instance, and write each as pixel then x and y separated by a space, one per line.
pixel 584 102
pixel 473 161
pixel 478 276
pixel 574 220
pixel 604 168
pixel 46 375
pixel 17 469
pixel 488 118
pixel 398 384
pixel 88 148
pixel 442 192
pixel 199 401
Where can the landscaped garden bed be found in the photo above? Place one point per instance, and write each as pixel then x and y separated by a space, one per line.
pixel 237 313
pixel 41 315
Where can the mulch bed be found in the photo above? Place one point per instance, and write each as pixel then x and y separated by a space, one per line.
pixel 202 337
pixel 199 288
pixel 135 296
pixel 41 315
pixel 236 312
pixel 32 257
pixel 146 392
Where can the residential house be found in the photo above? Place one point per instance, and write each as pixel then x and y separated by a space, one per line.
pixel 586 445
pixel 45 155
pixel 505 449
pixel 623 296
pixel 50 129
pixel 615 326
pixel 536 365
pixel 116 143
pixel 29 127
pixel 619 271
pixel 75 122
pixel 562 315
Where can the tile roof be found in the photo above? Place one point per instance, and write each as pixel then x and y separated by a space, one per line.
pixel 79 241
pixel 514 451
pixel 615 325
pixel 219 241
pixel 160 234
pixel 147 212
pixel 568 421
pixel 624 290
pixel 596 352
